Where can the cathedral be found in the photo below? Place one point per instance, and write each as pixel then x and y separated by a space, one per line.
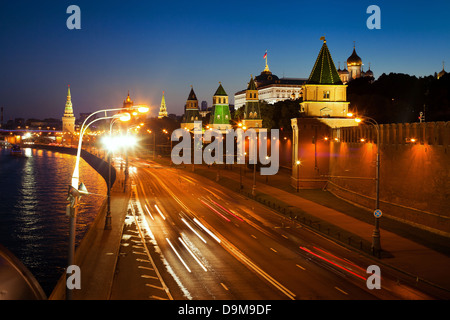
pixel 354 68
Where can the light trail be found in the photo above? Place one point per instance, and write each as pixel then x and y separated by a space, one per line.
pixel 179 257
pixel 146 208
pixel 221 215
pixel 159 211
pixel 204 228
pixel 192 254
pixel 193 230
pixel 331 262
pixel 227 211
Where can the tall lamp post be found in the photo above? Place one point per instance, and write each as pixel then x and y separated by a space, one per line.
pixel 376 245
pixel 76 190
pixel 298 162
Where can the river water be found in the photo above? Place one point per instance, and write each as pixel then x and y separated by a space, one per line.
pixel 33 224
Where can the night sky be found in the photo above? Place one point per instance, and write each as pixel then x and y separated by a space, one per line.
pixel 150 46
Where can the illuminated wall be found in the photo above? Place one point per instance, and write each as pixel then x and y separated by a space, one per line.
pixel 414 171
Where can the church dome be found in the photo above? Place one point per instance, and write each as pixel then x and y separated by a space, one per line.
pixel 354 59
pixel 442 73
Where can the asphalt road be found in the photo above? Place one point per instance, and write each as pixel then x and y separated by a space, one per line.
pixel 190 238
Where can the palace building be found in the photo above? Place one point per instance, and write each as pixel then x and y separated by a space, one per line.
pixel 68 119
pixel 271 88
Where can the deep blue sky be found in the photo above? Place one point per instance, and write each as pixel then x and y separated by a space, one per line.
pixel 150 46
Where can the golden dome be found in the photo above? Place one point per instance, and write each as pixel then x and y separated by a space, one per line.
pixel 354 59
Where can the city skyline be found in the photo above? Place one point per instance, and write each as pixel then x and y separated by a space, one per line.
pixel 148 48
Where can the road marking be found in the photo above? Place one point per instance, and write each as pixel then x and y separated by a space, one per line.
pixel 142 260
pixel 284 236
pixel 254 236
pixel 147 268
pixel 273 249
pixel 135 252
pixel 300 267
pixel 153 286
pixel 157 298
pixel 148 277
pixel 341 290
pixel 224 286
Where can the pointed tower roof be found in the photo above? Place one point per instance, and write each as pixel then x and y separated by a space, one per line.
pixel 324 71
pixel 252 84
pixel 220 91
pixel 192 95
pixel 163 108
pixel 68 110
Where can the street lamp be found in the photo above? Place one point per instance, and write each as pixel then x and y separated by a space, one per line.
pixel 376 245
pixel 298 163
pixel 76 190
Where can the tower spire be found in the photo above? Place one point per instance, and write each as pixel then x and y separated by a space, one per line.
pixel 163 108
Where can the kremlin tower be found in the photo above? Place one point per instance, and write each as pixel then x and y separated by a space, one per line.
pixel 162 109
pixel 191 112
pixel 252 113
pixel 68 119
pixel 220 115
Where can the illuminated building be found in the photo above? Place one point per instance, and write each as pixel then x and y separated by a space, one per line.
pixel 324 94
pixel 191 112
pixel 68 119
pixel 220 114
pixel 354 68
pixel 163 110
pixel 128 103
pixel 252 113
pixel 272 89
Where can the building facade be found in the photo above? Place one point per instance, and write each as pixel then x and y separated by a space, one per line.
pixel 272 89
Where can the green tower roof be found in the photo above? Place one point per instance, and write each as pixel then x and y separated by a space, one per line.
pixel 324 71
pixel 220 91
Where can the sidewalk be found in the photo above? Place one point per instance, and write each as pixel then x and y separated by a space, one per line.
pixel 405 255
pixel 98 251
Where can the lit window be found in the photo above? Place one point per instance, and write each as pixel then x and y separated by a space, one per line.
pixel 326 94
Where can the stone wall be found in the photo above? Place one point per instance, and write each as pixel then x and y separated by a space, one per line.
pixel 414 170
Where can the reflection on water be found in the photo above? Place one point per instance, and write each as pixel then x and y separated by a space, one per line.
pixel 33 224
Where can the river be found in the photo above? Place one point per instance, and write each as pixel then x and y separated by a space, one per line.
pixel 33 224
